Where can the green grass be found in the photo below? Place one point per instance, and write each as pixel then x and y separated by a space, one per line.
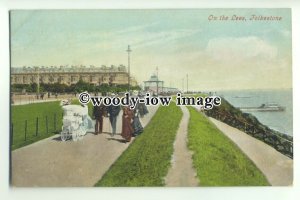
pixel 30 112
pixel 147 159
pixel 217 160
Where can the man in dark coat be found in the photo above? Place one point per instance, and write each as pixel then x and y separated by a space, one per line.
pixel 113 112
pixel 98 113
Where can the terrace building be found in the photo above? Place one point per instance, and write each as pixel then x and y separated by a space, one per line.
pixel 113 75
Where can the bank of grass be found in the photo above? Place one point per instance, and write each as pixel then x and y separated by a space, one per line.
pixel 30 112
pixel 217 160
pixel 147 159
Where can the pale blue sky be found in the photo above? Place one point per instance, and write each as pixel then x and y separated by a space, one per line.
pixel 215 54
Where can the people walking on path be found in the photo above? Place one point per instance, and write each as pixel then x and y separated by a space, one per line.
pixel 65 161
pixel 98 113
pixel 113 112
pixel 127 129
pixel 139 111
pixel 136 124
pixel 143 110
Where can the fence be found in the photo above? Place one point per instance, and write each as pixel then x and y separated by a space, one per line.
pixel 27 131
pixel 281 144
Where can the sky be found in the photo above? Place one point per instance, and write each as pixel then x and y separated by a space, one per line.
pixel 216 54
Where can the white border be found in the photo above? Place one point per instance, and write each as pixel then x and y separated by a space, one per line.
pixel 231 193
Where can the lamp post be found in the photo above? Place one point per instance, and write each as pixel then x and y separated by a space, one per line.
pixel 38 83
pixel 128 51
pixel 157 81
pixel 187 83
pixel 182 85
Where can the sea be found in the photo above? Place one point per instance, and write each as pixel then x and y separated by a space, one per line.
pixel 281 121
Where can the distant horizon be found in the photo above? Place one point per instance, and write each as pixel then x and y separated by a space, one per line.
pixel 254 89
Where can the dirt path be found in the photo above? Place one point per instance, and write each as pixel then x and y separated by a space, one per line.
pixel 52 163
pixel 182 172
pixel 30 99
pixel 277 168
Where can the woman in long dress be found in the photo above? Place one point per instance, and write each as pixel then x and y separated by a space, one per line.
pixel 127 129
pixel 139 111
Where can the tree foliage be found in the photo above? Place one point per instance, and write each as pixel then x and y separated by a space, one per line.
pixel 80 86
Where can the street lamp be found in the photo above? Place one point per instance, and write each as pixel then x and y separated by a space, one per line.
pixel 38 82
pixel 157 81
pixel 128 51
pixel 187 83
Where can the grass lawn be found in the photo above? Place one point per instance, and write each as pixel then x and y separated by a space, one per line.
pixel 29 112
pixel 217 160
pixel 147 159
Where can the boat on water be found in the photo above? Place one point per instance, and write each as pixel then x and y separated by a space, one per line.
pixel 268 107
pixel 240 97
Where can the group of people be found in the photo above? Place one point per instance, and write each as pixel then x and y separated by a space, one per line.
pixel 131 125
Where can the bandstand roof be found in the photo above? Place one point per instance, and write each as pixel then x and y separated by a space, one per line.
pixel 153 78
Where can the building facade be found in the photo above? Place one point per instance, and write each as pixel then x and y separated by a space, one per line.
pixel 114 75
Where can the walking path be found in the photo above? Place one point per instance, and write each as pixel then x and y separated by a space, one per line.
pixel 277 168
pixel 53 163
pixel 182 172
pixel 30 99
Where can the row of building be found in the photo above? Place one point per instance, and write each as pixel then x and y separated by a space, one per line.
pixel 113 75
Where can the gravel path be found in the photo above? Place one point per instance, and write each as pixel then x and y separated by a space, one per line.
pixel 277 168
pixel 182 172
pixel 53 163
